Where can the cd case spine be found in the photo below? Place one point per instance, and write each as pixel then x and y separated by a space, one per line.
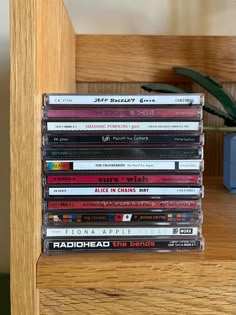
pixel 53 246
pixel 133 178
pixel 123 126
pixel 111 139
pixel 114 100
pixel 174 192
pixel 116 165
pixel 121 204
pixel 183 231
pixel 122 217
pixel 190 152
pixel 184 112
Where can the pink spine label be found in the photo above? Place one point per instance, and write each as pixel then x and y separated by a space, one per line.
pixel 123 179
pixel 125 113
pixel 123 204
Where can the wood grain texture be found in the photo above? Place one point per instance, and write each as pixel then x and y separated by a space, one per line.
pixel 214 267
pixel 55 48
pixel 139 301
pixel 30 32
pixel 25 234
pixel 139 58
pixel 214 140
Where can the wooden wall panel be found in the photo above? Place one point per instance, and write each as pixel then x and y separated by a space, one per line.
pixel 55 54
pixel 137 58
pixel 213 139
pixel 39 63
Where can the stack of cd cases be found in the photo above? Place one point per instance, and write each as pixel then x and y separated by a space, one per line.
pixel 122 172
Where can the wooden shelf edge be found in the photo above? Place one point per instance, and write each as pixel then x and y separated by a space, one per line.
pixel 133 273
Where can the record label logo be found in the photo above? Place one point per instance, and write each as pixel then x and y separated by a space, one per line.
pixel 186 231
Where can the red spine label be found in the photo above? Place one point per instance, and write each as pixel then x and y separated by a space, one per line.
pixel 123 179
pixel 123 204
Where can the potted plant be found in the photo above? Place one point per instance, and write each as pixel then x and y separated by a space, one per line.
pixel 229 116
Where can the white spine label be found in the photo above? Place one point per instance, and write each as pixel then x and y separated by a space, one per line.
pixel 190 165
pixel 74 191
pixel 124 164
pixel 128 231
pixel 180 99
pixel 79 165
pixel 124 126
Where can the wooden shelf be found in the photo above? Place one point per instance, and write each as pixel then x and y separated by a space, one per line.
pixel 47 56
pixel 216 264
